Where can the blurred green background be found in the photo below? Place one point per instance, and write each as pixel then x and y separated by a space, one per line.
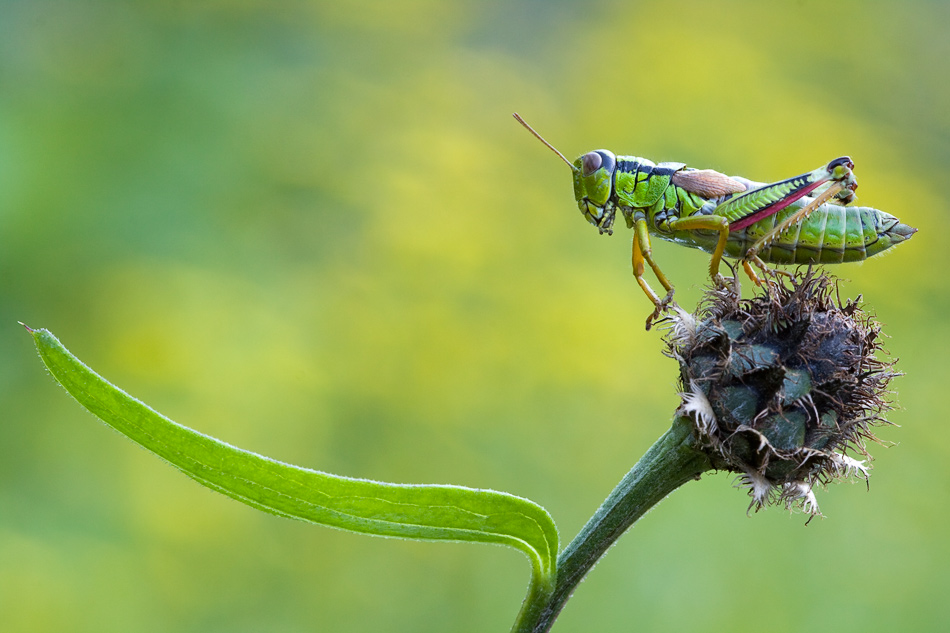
pixel 313 230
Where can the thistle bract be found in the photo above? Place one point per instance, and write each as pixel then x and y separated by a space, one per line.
pixel 783 386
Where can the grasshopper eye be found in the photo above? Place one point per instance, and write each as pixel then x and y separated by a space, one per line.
pixel 591 162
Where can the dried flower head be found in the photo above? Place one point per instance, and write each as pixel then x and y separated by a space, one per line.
pixel 782 386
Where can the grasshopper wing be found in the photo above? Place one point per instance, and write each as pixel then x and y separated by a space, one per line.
pixel 707 183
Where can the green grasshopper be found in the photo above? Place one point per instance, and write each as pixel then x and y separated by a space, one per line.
pixel 799 220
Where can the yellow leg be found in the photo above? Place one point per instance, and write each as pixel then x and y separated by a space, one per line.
pixel 755 259
pixel 638 269
pixel 751 273
pixel 708 223
pixel 643 253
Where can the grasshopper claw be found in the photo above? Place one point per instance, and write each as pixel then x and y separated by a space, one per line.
pixel 664 305
pixel 722 283
pixel 667 300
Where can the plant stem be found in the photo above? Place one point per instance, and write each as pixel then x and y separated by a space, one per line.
pixel 668 464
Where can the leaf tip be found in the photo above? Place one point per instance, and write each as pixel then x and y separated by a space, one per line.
pixel 28 328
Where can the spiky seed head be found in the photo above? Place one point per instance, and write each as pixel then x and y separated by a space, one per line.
pixel 782 386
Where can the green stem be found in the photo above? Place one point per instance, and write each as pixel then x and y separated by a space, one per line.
pixel 668 464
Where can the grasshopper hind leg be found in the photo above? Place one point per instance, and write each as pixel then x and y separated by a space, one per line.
pixel 835 182
pixel 833 191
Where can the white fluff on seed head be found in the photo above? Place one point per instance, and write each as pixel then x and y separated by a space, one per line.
pixel 845 466
pixel 760 488
pixel 696 404
pixel 795 491
pixel 683 326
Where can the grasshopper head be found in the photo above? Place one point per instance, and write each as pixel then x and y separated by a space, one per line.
pixel 593 184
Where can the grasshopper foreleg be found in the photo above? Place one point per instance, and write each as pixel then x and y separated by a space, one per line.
pixel 642 252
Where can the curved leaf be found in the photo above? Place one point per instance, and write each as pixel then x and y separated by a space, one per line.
pixel 428 512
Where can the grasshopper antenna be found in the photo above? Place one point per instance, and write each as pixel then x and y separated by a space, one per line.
pixel 541 138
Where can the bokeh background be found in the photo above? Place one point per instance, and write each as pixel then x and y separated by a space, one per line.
pixel 312 229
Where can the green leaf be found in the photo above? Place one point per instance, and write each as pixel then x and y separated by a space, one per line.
pixel 428 512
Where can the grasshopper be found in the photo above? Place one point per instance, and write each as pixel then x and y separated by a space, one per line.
pixel 799 220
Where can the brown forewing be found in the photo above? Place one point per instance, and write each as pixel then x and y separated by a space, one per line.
pixel 707 183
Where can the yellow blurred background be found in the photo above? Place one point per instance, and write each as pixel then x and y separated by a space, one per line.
pixel 313 230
